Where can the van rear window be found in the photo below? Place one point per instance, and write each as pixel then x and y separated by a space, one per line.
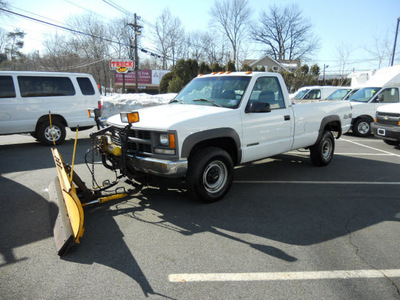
pixel 41 86
pixel 85 86
pixel 7 87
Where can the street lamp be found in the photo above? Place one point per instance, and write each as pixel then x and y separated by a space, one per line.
pixel 325 67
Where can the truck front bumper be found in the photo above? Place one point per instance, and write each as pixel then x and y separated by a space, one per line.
pixel 386 132
pixel 158 167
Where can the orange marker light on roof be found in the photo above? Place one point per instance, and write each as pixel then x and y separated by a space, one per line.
pixel 249 72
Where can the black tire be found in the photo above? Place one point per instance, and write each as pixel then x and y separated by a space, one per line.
pixel 321 154
pixel 392 143
pixel 362 127
pixel 45 136
pixel 210 174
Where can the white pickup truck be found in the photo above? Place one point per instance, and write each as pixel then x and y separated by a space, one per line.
pixel 387 124
pixel 219 121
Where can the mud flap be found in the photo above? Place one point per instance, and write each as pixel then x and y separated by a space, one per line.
pixel 68 226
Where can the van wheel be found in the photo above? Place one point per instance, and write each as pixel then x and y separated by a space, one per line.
pixel 45 133
pixel 210 174
pixel 362 127
pixel 321 154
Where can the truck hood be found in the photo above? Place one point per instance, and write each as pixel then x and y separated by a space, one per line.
pixel 170 115
pixel 390 108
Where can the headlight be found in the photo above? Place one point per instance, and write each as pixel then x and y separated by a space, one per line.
pixel 167 144
pixel 132 117
pixel 164 139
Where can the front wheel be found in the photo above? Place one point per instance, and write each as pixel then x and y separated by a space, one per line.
pixel 210 174
pixel 321 154
pixel 362 127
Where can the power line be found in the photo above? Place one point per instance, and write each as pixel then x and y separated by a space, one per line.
pixel 117 7
pixel 86 9
pixel 150 52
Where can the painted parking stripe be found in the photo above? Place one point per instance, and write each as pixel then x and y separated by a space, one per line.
pixel 280 276
pixel 317 182
pixel 369 147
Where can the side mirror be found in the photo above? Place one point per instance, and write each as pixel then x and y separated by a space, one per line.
pixel 379 98
pixel 257 107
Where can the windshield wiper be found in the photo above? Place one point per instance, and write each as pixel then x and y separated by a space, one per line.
pixel 207 100
pixel 175 100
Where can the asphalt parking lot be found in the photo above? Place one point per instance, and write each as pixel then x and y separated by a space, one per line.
pixel 286 230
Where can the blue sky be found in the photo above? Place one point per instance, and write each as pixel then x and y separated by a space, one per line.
pixel 356 24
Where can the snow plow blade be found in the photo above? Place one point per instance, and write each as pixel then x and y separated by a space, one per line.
pixel 68 226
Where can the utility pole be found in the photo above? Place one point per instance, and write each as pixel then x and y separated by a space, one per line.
pixel 136 28
pixel 395 40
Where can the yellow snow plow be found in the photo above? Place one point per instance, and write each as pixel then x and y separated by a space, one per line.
pixel 71 195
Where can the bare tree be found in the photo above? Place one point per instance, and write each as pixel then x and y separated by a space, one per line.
pixel 286 33
pixel 342 54
pixel 231 17
pixel 93 46
pixel 380 48
pixel 59 54
pixel 3 39
pixel 168 34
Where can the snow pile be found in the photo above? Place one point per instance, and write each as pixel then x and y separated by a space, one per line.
pixel 116 103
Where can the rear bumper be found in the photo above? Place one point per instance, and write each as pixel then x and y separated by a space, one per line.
pixel 386 132
pixel 159 167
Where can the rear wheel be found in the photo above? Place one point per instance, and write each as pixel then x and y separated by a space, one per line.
pixel 321 154
pixel 210 174
pixel 46 133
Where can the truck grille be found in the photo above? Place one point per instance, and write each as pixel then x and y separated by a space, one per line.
pixel 139 141
pixel 388 118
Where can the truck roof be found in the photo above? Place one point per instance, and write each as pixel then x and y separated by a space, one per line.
pixel 42 73
pixel 247 73
pixel 385 77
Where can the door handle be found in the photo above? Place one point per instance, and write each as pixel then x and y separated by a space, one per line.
pixel 287 118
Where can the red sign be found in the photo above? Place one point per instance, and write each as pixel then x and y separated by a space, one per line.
pixel 144 77
pixel 122 63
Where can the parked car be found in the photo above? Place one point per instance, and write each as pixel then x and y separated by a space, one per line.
pixel 45 103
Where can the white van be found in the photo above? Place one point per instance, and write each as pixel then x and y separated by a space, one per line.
pixel 382 89
pixel 313 93
pixel 27 98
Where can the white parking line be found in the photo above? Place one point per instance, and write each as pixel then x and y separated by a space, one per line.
pixel 276 276
pixel 369 147
pixel 319 182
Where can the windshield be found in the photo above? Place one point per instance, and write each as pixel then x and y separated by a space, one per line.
pixel 350 94
pixel 301 94
pixel 338 95
pixel 222 91
pixel 365 94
